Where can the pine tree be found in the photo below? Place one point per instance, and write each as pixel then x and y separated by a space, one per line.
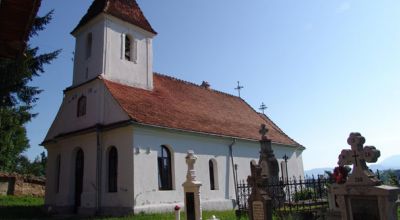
pixel 17 97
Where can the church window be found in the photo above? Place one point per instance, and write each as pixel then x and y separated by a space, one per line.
pixel 127 48
pixel 212 166
pixel 130 48
pixel 112 169
pixel 89 42
pixel 164 169
pixel 58 169
pixel 81 111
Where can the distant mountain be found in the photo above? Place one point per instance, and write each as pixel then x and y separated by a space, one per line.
pixel 317 171
pixel 392 162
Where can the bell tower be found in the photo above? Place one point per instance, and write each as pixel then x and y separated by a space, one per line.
pixel 114 40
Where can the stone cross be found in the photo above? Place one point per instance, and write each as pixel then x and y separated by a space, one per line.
pixel 190 161
pixel 358 156
pixel 263 131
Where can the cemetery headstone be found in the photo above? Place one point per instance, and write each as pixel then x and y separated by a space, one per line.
pixel 191 188
pixel 362 196
pixel 260 202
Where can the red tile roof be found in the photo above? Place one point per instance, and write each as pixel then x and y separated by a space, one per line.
pixel 182 105
pixel 127 10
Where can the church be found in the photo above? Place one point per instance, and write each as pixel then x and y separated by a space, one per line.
pixel 119 140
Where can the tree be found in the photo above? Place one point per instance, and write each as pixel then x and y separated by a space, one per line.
pixel 36 168
pixel 17 98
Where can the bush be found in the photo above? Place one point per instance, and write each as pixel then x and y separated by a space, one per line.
pixel 304 194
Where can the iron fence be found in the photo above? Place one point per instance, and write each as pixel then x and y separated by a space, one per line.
pixel 288 195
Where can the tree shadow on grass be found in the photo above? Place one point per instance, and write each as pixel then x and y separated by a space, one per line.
pixel 22 212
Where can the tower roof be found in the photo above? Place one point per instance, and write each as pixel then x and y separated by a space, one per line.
pixel 126 10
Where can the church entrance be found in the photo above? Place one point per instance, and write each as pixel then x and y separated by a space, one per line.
pixel 79 161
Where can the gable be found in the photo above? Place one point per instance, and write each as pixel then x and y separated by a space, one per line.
pixel 185 106
pixel 101 108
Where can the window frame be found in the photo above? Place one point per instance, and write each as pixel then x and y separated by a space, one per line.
pixel 112 177
pixel 165 168
pixel 89 45
pixel 81 106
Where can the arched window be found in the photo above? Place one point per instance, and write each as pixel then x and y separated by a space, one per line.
pixel 112 169
pixel 81 111
pixel 164 169
pixel 58 169
pixel 89 42
pixel 128 48
pixel 212 166
pixel 79 173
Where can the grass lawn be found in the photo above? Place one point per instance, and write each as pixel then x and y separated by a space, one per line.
pixel 12 207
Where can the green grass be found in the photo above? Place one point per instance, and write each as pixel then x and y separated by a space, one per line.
pixel 30 208
pixel 13 207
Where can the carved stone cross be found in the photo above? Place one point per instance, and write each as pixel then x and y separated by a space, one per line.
pixel 190 161
pixel 358 156
pixel 263 131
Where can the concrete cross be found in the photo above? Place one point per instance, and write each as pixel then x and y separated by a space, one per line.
pixel 358 155
pixel 263 131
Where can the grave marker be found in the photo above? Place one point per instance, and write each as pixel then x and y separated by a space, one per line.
pixel 191 188
pixel 362 196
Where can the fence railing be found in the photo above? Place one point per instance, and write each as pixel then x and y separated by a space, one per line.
pixel 289 195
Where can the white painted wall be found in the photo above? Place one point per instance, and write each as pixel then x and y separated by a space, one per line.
pixel 101 108
pixel 108 58
pixel 137 73
pixel 67 148
pixel 93 64
pixel 122 139
pixel 138 171
pixel 147 196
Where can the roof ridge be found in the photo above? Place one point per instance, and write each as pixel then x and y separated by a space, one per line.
pixel 197 85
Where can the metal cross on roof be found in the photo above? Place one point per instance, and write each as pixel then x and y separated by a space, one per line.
pixel 239 87
pixel 263 107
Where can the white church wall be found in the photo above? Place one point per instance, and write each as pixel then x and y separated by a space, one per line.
pixel 89 67
pixel 137 72
pixel 101 108
pixel 148 140
pixel 67 148
pixel 122 140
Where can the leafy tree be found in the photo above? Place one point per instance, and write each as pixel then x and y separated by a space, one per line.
pixel 36 168
pixel 17 98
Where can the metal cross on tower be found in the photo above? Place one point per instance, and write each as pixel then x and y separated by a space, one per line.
pixel 239 87
pixel 263 107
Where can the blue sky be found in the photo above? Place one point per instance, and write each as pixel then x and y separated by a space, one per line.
pixel 323 68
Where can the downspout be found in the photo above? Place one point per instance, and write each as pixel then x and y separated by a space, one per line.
pixel 234 169
pixel 98 170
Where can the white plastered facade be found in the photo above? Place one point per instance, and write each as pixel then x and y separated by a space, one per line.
pixel 106 124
